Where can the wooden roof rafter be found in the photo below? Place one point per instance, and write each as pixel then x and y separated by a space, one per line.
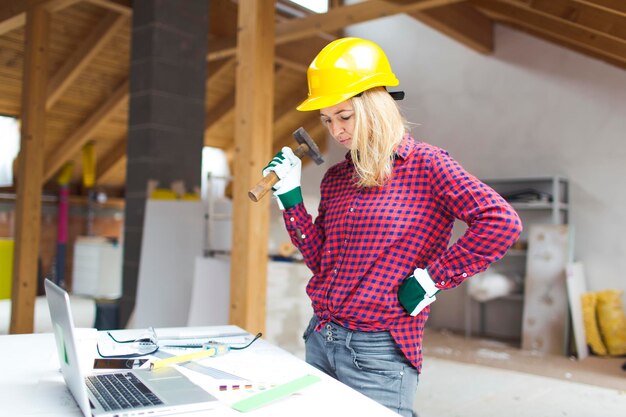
pixel 283 110
pixel 13 12
pixel 293 97
pixel 301 12
pixel 223 110
pixel 288 106
pixel 461 22
pixel 111 162
pixel 581 15
pixel 226 105
pixel 288 63
pixel 617 7
pixel 83 55
pixel 335 19
pixel 558 30
pixel 123 7
pixel 85 131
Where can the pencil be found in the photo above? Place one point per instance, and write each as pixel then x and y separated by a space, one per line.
pixel 206 353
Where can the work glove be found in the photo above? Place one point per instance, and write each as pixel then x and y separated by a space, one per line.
pixel 417 291
pixel 288 167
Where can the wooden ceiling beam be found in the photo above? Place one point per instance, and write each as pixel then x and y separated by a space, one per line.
pixel 340 17
pixel 84 133
pixel 612 6
pixel 227 106
pixel 582 15
pixel 224 109
pixel 226 68
pixel 301 12
pixel 253 142
pixel 30 169
pixel 119 6
pixel 287 107
pixel 83 55
pixel 218 142
pixel 557 30
pixel 112 162
pixel 335 19
pixel 288 63
pixel 12 15
pixel 558 41
pixel 463 23
pixel 13 12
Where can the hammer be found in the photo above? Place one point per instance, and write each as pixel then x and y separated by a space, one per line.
pixel 306 147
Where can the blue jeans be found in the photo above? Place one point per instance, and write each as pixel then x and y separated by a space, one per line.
pixel 369 362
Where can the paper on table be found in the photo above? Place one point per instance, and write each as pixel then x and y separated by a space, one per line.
pixel 261 362
pixel 200 333
pixel 230 340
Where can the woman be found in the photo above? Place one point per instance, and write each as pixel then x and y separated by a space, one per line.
pixel 378 248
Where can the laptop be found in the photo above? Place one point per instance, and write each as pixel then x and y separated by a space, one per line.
pixel 121 393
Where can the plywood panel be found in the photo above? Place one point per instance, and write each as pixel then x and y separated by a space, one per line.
pixel 545 295
pixel 576 286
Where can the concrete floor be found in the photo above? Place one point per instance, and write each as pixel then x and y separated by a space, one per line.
pixel 475 377
pixel 472 377
pixel 452 389
pixel 469 376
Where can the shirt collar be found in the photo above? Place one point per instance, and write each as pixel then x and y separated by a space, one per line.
pixel 402 151
pixel 405 146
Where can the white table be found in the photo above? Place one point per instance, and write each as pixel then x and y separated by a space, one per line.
pixel 31 383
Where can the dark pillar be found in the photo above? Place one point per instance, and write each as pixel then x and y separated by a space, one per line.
pixel 166 113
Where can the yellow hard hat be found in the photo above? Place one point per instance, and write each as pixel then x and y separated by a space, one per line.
pixel 343 69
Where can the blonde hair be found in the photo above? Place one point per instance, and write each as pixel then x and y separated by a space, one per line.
pixel 379 128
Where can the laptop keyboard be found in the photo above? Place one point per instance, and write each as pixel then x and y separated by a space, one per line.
pixel 120 391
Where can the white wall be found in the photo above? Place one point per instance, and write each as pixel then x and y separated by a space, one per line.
pixel 531 108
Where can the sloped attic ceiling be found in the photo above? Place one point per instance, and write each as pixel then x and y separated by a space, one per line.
pixel 87 92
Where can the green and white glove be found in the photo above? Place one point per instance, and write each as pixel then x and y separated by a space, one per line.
pixel 417 291
pixel 288 167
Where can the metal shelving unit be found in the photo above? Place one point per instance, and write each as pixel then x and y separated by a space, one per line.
pixel 537 200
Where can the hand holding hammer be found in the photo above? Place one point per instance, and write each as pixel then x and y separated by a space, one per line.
pixel 306 146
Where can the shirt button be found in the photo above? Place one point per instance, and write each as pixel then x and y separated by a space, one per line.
pixel 345 241
pixel 351 209
pixel 442 283
pixel 303 236
pixel 464 275
pixel 291 219
pixel 335 271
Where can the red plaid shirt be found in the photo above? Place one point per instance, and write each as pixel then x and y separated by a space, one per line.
pixel 366 241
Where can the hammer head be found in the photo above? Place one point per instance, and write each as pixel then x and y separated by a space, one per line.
pixel 302 136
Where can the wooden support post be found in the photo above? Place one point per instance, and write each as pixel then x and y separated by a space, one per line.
pixel 30 170
pixel 254 102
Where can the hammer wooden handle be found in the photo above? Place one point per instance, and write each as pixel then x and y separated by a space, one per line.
pixel 262 187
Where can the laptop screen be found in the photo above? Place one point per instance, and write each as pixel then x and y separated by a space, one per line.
pixel 63 325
